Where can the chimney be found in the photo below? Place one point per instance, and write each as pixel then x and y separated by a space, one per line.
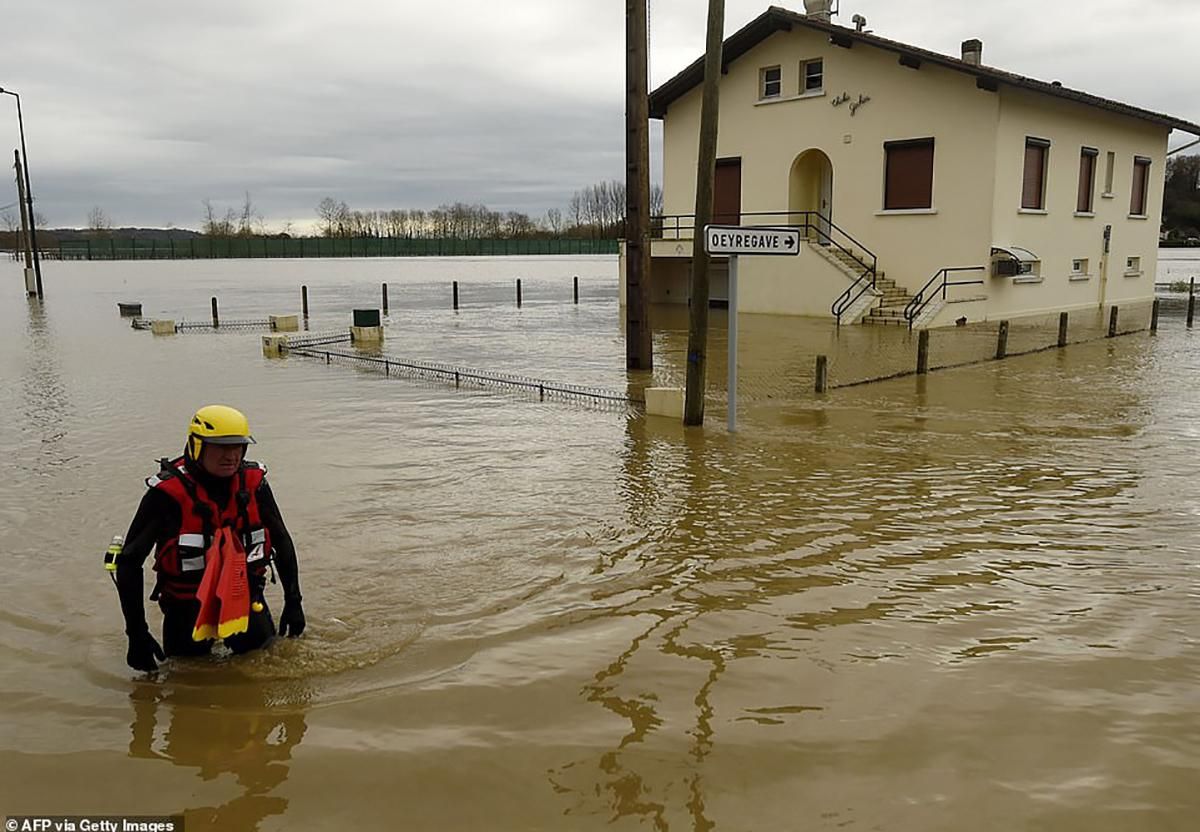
pixel 972 52
pixel 819 9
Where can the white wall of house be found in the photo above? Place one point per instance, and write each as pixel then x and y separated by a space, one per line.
pixel 978 161
pixel 904 103
pixel 1060 235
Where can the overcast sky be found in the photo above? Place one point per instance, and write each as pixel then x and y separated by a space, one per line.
pixel 147 108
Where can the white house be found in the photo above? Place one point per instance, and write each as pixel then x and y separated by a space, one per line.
pixel 900 163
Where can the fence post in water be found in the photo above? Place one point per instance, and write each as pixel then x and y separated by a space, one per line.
pixel 576 289
pixel 822 373
pixel 1062 328
pixel 1191 302
pixel 385 303
pixel 518 293
pixel 1154 317
pixel 923 352
pixel 216 319
pixel 1002 341
pixel 1112 323
pixel 304 300
pixel 456 295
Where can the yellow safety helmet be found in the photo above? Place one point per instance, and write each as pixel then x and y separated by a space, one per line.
pixel 217 424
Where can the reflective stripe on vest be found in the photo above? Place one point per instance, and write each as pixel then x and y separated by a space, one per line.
pixel 180 557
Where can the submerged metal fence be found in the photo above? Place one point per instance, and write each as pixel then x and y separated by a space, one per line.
pixel 196 326
pixel 203 248
pixel 315 347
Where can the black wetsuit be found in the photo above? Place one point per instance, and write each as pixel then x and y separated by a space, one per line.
pixel 158 517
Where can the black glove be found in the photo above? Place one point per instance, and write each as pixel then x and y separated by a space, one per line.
pixel 143 650
pixel 291 620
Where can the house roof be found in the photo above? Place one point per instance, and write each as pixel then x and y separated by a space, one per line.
pixel 776 19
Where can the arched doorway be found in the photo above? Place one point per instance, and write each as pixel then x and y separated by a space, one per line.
pixel 810 188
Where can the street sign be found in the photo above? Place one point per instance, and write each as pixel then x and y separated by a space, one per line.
pixel 734 240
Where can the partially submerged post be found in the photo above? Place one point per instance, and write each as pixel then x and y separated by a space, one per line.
pixel 576 289
pixel 367 327
pixel 385 299
pixel 25 240
pixel 1191 302
pixel 215 317
pixel 518 293
pixel 639 344
pixel 734 241
pixel 1154 317
pixel 822 379
pixel 923 352
pixel 697 353
pixel 456 295
pixel 1002 340
pixel 1112 322
pixel 274 346
pixel 1062 328
pixel 284 323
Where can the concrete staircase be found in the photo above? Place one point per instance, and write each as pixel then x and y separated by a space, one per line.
pixel 892 300
pixel 882 307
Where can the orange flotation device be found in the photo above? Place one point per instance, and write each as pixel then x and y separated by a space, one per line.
pixel 224 591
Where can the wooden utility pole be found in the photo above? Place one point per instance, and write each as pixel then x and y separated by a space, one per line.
pixel 706 163
pixel 639 346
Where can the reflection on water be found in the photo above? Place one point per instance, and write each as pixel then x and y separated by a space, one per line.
pixel 207 730
pixel 959 599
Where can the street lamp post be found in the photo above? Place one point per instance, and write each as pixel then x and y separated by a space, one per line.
pixel 37 265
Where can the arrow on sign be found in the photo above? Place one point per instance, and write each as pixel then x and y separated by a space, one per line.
pixel 790 243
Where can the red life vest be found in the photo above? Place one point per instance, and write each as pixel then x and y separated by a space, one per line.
pixel 179 557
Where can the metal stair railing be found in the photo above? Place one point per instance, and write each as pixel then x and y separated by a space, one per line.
pixel 916 305
pixel 813 223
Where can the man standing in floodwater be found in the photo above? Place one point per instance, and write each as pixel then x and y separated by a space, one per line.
pixel 215 529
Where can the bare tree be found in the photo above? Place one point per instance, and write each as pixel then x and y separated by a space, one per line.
pixel 9 221
pixel 554 221
pixel 98 223
pixel 218 226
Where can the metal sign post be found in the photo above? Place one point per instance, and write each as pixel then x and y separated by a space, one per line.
pixel 735 241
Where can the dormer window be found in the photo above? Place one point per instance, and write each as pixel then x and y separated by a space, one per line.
pixel 770 82
pixel 812 76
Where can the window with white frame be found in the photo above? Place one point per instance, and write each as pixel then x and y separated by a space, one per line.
pixel 1079 267
pixel 770 82
pixel 812 76
pixel 1133 265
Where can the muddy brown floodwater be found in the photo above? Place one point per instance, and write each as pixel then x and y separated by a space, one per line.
pixel 969 601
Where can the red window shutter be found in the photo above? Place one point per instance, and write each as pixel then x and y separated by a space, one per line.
pixel 909 176
pixel 1033 187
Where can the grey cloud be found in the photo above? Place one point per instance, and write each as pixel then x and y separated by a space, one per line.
pixel 146 109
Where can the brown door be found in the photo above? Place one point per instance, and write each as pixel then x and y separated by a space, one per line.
pixel 727 192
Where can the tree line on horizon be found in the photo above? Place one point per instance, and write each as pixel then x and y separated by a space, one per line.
pixel 595 212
